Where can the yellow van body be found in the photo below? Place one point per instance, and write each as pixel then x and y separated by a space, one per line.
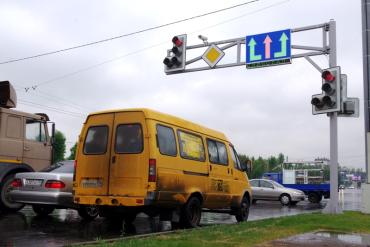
pixel 143 159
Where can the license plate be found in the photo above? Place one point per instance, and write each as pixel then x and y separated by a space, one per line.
pixel 91 183
pixel 33 182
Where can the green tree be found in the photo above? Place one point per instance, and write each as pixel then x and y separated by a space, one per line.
pixel 59 146
pixel 73 149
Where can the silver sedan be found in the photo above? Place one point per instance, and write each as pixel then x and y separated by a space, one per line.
pixel 264 189
pixel 49 189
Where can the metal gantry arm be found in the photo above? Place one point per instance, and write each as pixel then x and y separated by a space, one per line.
pixel 238 42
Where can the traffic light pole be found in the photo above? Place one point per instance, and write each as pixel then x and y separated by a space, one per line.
pixel 333 206
pixel 343 106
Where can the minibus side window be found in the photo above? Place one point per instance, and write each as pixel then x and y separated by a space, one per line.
pixel 96 140
pixel 235 158
pixel 129 139
pixel 222 154
pixel 217 152
pixel 191 146
pixel 166 140
pixel 212 151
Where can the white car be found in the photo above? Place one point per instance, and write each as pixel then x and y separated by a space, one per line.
pixel 268 190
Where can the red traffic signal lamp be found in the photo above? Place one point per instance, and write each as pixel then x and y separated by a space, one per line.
pixel 330 98
pixel 176 56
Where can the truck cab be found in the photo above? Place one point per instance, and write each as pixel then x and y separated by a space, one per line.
pixel 25 143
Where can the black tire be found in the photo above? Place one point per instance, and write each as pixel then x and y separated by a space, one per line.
pixel 242 213
pixel 191 213
pixel 314 197
pixel 6 203
pixel 88 212
pixel 130 217
pixel 254 201
pixel 293 203
pixel 285 199
pixel 43 210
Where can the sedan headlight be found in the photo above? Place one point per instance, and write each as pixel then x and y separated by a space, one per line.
pixel 297 193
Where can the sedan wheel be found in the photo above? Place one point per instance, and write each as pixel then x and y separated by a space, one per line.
pixel 285 199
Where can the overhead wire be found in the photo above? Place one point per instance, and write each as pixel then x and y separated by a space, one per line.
pixel 129 34
pixel 35 86
pixel 126 55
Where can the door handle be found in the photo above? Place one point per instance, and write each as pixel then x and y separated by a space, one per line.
pixel 113 159
pixel 26 149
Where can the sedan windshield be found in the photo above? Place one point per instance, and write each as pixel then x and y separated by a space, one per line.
pixel 277 184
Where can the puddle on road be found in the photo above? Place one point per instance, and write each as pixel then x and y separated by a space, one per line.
pixel 323 238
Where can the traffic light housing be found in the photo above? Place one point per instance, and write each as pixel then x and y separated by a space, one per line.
pixel 330 98
pixel 176 56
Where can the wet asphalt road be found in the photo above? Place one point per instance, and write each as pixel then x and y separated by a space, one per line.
pixel 64 226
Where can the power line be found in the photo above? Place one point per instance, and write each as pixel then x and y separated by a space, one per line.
pixel 70 113
pixel 34 87
pixel 56 99
pixel 128 34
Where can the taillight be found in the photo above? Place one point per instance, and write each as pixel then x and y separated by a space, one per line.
pixel 152 170
pixel 17 183
pixel 54 184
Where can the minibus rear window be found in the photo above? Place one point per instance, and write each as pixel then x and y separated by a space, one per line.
pixel 96 140
pixel 129 139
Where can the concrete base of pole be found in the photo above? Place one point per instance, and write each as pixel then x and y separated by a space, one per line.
pixel 365 198
pixel 332 209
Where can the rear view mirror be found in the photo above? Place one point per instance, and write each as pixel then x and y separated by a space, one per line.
pixel 247 166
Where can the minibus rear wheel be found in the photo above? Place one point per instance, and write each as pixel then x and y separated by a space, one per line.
pixel 191 212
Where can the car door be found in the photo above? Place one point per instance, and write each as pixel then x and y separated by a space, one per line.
pixel 256 189
pixel 268 191
pixel 36 147
pixel 219 192
pixel 128 174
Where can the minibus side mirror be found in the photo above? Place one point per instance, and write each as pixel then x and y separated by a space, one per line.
pixel 247 167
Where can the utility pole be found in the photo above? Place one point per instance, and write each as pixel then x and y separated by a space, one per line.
pixel 365 46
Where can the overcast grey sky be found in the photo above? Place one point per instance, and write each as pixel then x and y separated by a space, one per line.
pixel 262 111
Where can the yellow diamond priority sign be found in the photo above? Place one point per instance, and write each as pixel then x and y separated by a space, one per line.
pixel 213 55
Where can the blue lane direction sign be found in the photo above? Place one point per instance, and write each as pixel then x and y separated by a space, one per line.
pixel 268 49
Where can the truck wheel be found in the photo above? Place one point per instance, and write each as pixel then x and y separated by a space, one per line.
pixel 6 203
pixel 191 213
pixel 88 212
pixel 313 197
pixel 285 199
pixel 242 212
pixel 42 210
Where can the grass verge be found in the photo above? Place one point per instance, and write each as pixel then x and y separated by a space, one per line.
pixel 255 232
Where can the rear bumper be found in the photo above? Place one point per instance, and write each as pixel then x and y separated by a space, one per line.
pixel 64 199
pixel 111 200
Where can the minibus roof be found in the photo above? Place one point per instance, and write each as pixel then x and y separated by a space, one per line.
pixel 166 118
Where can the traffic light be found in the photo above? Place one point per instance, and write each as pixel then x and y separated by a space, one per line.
pixel 176 57
pixel 350 106
pixel 330 99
